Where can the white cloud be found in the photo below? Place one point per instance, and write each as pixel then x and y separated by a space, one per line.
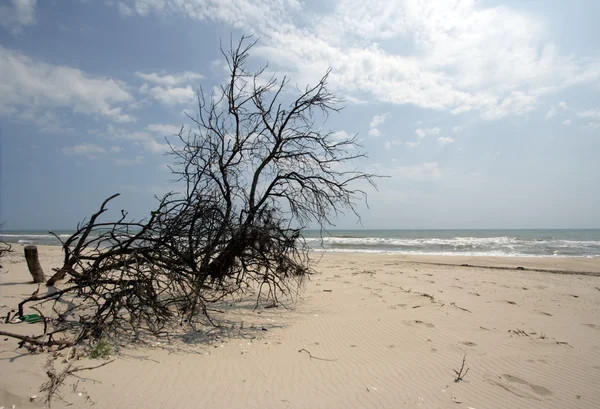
pixel 33 84
pixel 125 10
pixel 422 133
pixel 378 120
pixel 374 133
pixel 46 121
pixel 164 129
pixel 375 122
pixel 554 109
pixel 170 95
pixel 445 140
pixel 116 149
pixel 592 126
pixel 567 122
pixel 590 113
pixel 388 144
pixel 516 103
pixel 146 140
pixel 129 162
pixel 457 129
pixel 86 149
pixel 170 80
pixel 340 135
pixel 17 16
pixel 467 55
pixel 551 112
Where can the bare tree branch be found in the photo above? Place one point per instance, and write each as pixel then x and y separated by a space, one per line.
pixel 254 171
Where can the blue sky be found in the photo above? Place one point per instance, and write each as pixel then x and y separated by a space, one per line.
pixel 486 114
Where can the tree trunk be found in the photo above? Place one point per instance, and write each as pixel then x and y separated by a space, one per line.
pixel 35 268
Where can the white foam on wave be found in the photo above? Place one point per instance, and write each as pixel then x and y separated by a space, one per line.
pixel 27 236
pixel 419 242
pixel 503 246
pixel 444 253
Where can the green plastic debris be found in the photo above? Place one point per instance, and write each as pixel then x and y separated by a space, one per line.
pixel 30 318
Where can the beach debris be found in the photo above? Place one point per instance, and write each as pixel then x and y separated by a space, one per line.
pixel 33 263
pixel 56 379
pixel 456 400
pixel 315 357
pixel 460 308
pixel 32 398
pixel 431 297
pixel 460 374
pixel 518 332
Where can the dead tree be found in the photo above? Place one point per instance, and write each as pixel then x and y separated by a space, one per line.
pixel 253 172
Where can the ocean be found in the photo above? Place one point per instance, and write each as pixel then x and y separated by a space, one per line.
pixel 498 243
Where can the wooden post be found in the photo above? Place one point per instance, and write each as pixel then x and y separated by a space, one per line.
pixel 35 268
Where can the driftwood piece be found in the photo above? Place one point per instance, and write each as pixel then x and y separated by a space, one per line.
pixel 33 263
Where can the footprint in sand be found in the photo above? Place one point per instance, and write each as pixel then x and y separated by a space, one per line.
pixel 427 324
pixel 521 387
pixel 536 388
pixel 394 307
pixel 592 326
pixel 469 343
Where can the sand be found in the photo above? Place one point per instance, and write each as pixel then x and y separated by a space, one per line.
pixel 368 331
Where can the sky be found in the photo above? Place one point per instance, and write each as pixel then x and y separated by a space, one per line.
pixel 484 114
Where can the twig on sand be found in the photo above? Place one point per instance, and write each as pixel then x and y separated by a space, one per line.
pixel 460 308
pixel 57 379
pixel 314 357
pixel 459 374
pixel 37 342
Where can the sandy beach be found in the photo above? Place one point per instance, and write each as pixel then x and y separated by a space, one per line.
pixel 367 331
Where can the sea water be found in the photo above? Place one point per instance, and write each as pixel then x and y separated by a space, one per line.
pixel 499 243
